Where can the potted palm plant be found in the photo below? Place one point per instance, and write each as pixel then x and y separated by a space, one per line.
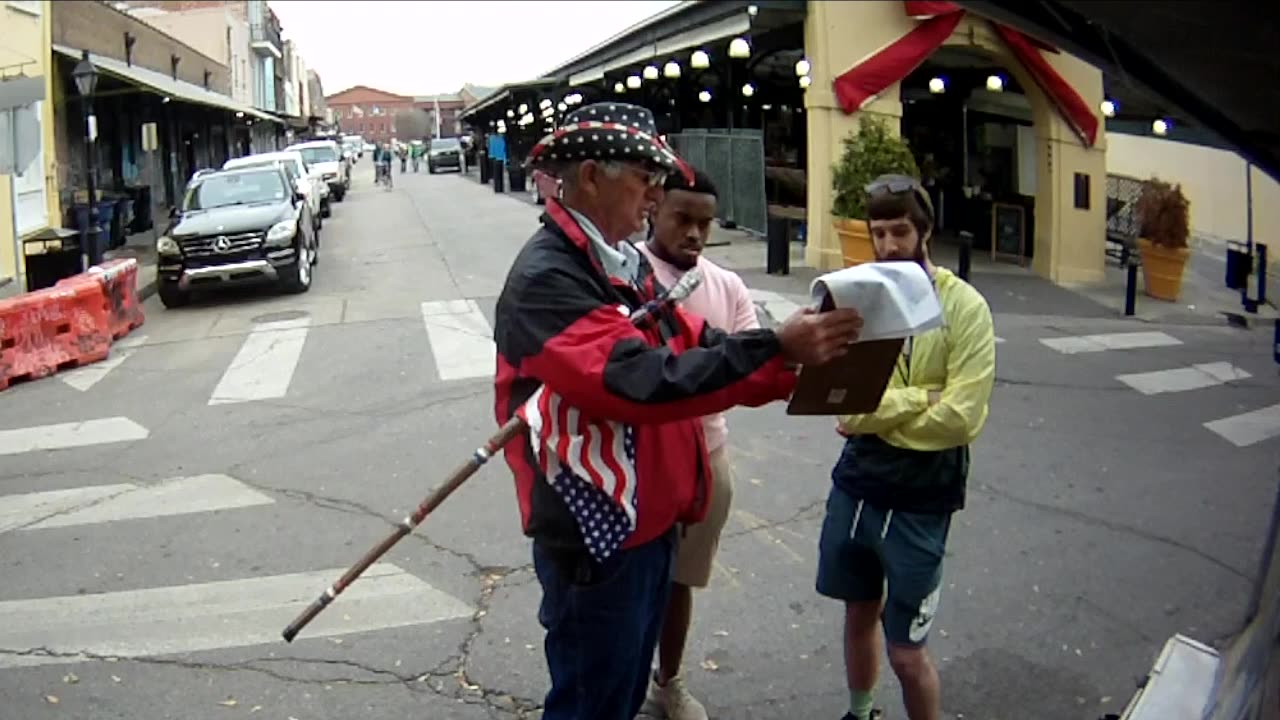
pixel 1164 226
pixel 870 152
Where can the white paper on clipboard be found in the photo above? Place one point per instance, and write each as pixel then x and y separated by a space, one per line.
pixel 896 299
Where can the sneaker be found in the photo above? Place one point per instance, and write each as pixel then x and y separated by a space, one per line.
pixel 675 701
pixel 876 714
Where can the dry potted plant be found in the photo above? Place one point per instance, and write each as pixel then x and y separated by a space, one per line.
pixel 868 153
pixel 1164 225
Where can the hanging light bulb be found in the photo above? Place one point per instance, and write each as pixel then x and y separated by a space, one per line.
pixel 995 83
pixel 1160 127
pixel 546 103
pixel 739 48
pixel 1108 108
pixel 700 60
pixel 705 96
pixel 805 81
pixel 802 67
pixel 511 113
pixel 748 90
pixel 651 72
pixel 562 107
pixel 671 70
pixel 937 85
pixel 618 88
pixel 523 108
pixel 633 81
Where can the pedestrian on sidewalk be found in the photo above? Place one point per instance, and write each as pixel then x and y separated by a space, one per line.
pixel 904 469
pixel 679 231
pixel 615 455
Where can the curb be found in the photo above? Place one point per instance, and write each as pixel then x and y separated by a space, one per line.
pixel 147 290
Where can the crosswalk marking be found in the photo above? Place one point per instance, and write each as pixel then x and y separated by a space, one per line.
pixel 83 378
pixel 1248 428
pixel 264 366
pixel 461 339
pixel 210 616
pixel 70 435
pixel 1181 379
pixel 1109 341
pixel 125 501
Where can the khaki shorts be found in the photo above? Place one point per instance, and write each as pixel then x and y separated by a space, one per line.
pixel 698 542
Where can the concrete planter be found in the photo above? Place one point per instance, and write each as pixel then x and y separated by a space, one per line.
pixel 1162 269
pixel 855 241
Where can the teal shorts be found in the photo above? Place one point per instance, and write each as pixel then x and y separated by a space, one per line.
pixel 866 553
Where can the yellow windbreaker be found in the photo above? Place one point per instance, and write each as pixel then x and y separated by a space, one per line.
pixel 958 360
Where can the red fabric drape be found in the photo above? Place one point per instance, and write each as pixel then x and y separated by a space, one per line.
pixel 863 81
pixel 938 19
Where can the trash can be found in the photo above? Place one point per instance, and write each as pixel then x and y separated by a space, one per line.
pixel 1239 265
pixel 51 256
pixel 517 178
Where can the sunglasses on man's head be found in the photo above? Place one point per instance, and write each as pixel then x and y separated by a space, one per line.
pixel 895 184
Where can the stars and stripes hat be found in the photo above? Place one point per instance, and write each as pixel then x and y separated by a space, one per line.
pixel 608 131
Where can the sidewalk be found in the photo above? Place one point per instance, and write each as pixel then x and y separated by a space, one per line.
pixel 142 247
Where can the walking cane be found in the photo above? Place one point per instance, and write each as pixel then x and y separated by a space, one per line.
pixel 505 434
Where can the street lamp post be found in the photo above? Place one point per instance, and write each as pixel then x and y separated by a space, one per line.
pixel 86 77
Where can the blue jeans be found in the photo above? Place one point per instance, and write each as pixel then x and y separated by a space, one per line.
pixel 602 624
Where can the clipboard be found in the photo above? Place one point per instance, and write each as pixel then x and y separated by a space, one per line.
pixel 848 385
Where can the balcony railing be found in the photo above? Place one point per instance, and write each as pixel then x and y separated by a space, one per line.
pixel 265 38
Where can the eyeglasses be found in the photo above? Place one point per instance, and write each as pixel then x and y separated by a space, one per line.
pixel 654 178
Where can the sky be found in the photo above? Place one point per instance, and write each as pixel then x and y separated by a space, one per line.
pixel 424 47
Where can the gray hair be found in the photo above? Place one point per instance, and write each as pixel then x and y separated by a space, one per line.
pixel 568 172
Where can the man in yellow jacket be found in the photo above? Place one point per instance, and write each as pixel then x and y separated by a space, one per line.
pixel 904 469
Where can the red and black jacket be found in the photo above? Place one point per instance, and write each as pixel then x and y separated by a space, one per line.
pixel 562 322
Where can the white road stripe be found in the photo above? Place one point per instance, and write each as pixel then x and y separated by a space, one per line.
pixel 1111 341
pixel 999 339
pixel 1248 428
pixel 83 378
pixel 209 616
pixel 69 435
pixel 461 339
pixel 264 366
pixel 1182 379
pixel 125 501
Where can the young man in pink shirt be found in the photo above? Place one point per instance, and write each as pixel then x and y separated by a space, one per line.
pixel 680 227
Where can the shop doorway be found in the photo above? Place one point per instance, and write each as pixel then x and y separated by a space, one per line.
pixel 971 129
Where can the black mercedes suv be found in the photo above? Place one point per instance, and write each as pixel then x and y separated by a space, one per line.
pixel 241 225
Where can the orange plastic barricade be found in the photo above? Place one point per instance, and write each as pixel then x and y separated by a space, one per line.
pixel 48 330
pixel 119 281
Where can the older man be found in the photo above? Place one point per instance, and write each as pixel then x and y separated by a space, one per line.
pixel 615 456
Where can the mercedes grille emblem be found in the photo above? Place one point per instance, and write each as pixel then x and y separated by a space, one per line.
pixel 222 244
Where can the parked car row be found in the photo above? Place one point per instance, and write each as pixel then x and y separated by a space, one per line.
pixel 257 219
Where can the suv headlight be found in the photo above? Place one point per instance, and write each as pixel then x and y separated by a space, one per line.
pixel 166 245
pixel 281 233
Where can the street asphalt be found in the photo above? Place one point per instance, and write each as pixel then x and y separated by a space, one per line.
pixel 1100 520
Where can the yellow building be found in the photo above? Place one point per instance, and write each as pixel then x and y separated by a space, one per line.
pixel 1069 239
pixel 28 166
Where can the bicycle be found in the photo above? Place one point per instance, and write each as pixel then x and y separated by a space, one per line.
pixel 384 175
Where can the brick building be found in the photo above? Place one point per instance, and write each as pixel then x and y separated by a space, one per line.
pixel 369 112
pixel 449 105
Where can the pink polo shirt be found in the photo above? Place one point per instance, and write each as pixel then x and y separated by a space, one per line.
pixel 723 300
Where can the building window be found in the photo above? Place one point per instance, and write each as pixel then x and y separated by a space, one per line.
pixel 26 6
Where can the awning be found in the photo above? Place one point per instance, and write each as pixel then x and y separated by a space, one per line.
pixel 728 27
pixel 505 93
pixel 165 85
pixel 870 77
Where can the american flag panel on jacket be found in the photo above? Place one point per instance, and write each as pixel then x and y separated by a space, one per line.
pixel 591 464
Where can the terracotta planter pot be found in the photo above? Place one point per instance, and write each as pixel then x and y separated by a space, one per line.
pixel 1162 269
pixel 855 241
